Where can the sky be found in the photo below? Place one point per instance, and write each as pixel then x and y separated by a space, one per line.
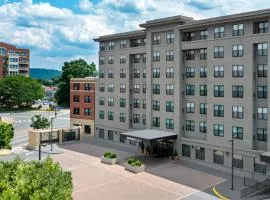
pixel 57 31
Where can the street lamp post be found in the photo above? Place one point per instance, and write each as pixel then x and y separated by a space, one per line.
pixel 232 162
pixel 51 133
pixel 39 150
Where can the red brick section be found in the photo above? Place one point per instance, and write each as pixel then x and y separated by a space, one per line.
pixel 24 60
pixel 82 93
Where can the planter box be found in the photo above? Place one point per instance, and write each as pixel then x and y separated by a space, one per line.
pixel 135 169
pixel 109 160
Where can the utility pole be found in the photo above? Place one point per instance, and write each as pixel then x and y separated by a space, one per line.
pixel 51 133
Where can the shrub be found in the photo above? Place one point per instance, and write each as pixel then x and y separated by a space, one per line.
pixel 6 135
pixel 109 155
pixel 134 162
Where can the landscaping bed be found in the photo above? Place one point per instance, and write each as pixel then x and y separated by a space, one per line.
pixel 109 158
pixel 134 165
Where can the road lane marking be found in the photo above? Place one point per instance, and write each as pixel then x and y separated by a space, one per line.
pixel 219 195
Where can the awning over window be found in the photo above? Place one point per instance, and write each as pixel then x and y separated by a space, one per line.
pixel 150 134
pixel 265 157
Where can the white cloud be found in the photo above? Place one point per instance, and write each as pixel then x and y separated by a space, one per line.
pixel 85 5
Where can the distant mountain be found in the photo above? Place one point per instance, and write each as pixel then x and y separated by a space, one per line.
pixel 44 74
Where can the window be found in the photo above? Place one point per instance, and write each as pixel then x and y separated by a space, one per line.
pixel 156 121
pixel 110 87
pixel 144 58
pixel 203 90
pixel 261 27
pixel 111 60
pixel 170 72
pixel 190 36
pixel 203 108
pixel 101 60
pixel 101 133
pixel 110 135
pixel 122 102
pixel 237 132
pixel 87 99
pixel 144 73
pixel 111 45
pixel 190 90
pixel 218 90
pixel 143 119
pixel 237 91
pixel 203 54
pixel 200 153
pixel 156 56
pixel 122 73
pixel 144 104
pixel 190 72
pixel 219 52
pixel 190 125
pixel 87 112
pixel 101 87
pixel 76 86
pixel 136 88
pixel 219 157
pixel 262 92
pixel 186 150
pixel 122 88
pixel 136 73
pixel 144 88
pixel 170 37
pixel 219 130
pixel 238 112
pixel 156 105
pixel 190 54
pixel 156 73
pixel 261 134
pixel 262 113
pixel 238 161
pixel 237 71
pixel 136 103
pixel 137 58
pixel 122 138
pixel 262 49
pixel 110 74
pixel 169 106
pixel 101 101
pixel 190 107
pixel 76 111
pixel 238 50
pixel 122 117
pixel 136 118
pixel 137 42
pixel 203 72
pixel 218 110
pixel 203 127
pixel 170 55
pixel 156 39
pixel 110 115
pixel 219 32
pixel 110 101
pixel 87 86
pixel 218 71
pixel 169 89
pixel 156 89
pixel 259 166
pixel 122 59
pixel 102 46
pixel 101 74
pixel 123 44
pixel 203 34
pixel 169 124
pixel 101 114
pixel 262 71
pixel 76 98
pixel 238 30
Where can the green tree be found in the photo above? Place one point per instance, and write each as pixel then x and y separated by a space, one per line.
pixel 34 181
pixel 74 69
pixel 39 122
pixel 19 91
pixel 6 135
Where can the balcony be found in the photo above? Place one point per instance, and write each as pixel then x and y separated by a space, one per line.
pixel 24 61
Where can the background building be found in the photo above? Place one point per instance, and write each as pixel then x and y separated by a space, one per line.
pixel 13 60
pixel 206 80
pixel 82 103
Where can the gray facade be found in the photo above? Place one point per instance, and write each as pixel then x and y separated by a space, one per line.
pixel 211 81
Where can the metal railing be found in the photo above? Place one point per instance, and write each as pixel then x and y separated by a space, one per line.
pixel 255 188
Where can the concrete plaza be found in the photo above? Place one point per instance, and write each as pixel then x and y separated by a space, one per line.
pixel 163 178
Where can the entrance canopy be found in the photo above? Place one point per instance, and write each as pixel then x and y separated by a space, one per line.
pixel 150 134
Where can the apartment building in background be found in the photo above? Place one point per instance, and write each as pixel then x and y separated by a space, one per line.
pixel 13 60
pixel 206 80
pixel 82 103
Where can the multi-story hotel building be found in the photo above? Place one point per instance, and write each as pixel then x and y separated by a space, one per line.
pixel 13 60
pixel 82 103
pixel 205 80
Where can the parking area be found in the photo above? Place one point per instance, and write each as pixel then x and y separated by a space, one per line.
pixel 163 179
